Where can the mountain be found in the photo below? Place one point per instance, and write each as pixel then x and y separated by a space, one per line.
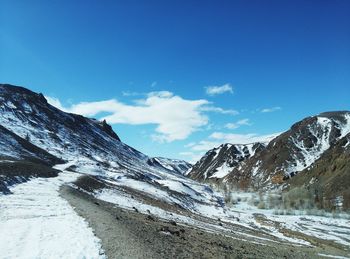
pixel 329 176
pixel 219 162
pixel 33 129
pixel 66 135
pixel 20 160
pixel 62 134
pixel 171 165
pixel 13 147
pixel 292 153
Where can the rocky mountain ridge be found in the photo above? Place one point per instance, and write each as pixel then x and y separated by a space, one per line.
pixel 218 162
pixel 298 152
pixel 64 135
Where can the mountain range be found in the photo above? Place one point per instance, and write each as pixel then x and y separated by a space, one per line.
pixel 313 152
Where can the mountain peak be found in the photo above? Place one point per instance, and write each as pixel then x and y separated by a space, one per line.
pixel 220 161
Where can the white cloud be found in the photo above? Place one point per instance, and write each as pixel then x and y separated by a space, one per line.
pixel 219 110
pixel 175 118
pixel 215 90
pixel 154 84
pixel 272 109
pixel 235 125
pixel 205 145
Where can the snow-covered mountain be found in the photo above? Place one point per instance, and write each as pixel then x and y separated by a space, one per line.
pixel 172 165
pixel 64 135
pixel 15 147
pixel 294 151
pixel 91 147
pixel 219 162
pixel 68 136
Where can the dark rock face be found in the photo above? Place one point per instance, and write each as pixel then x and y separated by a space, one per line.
pixel 108 129
pixel 225 157
pixel 15 172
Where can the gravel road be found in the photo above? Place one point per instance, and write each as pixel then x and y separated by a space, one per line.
pixel 129 234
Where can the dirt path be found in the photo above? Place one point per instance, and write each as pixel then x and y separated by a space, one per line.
pixel 129 234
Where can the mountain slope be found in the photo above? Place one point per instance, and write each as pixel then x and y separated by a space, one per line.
pixel 65 135
pixel 293 151
pixel 284 157
pixel 14 147
pixel 20 161
pixel 171 165
pixel 62 134
pixel 220 161
pixel 329 177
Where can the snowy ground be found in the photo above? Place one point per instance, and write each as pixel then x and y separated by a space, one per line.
pixel 254 225
pixel 35 222
pixel 326 228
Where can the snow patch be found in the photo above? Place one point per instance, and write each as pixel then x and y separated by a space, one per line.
pixel 333 256
pixel 11 105
pixel 222 171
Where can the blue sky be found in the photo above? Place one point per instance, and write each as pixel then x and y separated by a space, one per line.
pixel 178 77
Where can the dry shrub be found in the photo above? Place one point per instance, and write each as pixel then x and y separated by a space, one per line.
pixel 277 179
pixel 298 198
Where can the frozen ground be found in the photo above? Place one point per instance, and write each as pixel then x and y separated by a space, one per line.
pixel 240 221
pixel 35 222
pixel 328 228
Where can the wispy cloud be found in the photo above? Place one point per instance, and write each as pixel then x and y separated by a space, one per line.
pixel 272 109
pixel 219 110
pixel 154 83
pixel 215 90
pixel 128 93
pixel 242 138
pixel 235 125
pixel 191 157
pixel 175 117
